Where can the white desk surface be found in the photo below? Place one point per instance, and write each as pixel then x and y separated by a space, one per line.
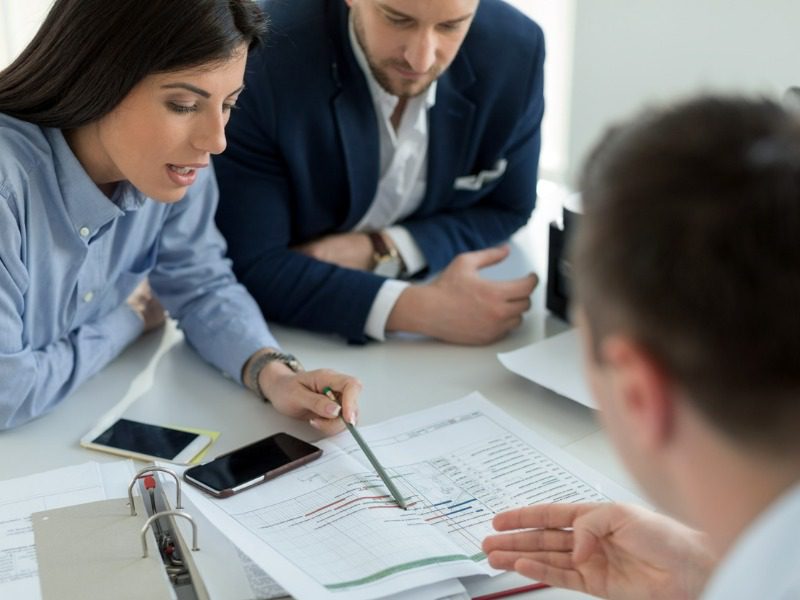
pixel 171 385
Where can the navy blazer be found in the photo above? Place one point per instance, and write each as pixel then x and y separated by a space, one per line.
pixel 303 157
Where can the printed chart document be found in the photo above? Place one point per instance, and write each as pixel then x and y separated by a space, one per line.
pixel 331 530
pixel 554 363
pixel 23 496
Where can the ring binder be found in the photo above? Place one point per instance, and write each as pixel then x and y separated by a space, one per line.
pixel 164 513
pixel 147 471
pixel 89 550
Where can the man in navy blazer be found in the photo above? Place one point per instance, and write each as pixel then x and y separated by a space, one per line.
pixel 380 140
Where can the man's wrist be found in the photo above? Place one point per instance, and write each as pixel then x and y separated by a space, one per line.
pixel 411 311
pixel 386 260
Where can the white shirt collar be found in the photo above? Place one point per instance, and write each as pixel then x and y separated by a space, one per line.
pixel 765 561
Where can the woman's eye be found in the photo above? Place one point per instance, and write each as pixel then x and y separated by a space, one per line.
pixel 180 108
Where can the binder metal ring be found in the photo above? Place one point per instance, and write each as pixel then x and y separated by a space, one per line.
pixel 164 513
pixel 146 471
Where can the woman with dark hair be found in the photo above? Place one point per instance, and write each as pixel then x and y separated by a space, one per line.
pixel 107 123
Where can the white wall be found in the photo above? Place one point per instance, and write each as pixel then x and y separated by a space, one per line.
pixel 19 21
pixel 629 52
pixel 556 19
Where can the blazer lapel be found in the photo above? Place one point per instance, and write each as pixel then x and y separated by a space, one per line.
pixel 450 131
pixel 355 118
pixel 358 131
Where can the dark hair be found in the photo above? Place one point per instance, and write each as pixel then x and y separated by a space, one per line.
pixel 691 244
pixel 88 54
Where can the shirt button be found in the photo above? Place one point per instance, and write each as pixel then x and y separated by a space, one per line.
pixel 84 231
pixel 87 297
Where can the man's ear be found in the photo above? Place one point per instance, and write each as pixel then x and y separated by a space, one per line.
pixel 643 392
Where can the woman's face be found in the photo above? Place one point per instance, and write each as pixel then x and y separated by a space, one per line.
pixel 166 129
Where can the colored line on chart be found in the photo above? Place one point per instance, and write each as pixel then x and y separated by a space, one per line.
pixel 408 505
pixel 339 504
pixel 453 509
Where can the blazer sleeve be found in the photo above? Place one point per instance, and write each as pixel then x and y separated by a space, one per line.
pixel 476 220
pixel 257 214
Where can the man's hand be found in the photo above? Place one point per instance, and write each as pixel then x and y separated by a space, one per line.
pixel 461 307
pixel 349 250
pixel 607 550
pixel 300 395
pixel 147 306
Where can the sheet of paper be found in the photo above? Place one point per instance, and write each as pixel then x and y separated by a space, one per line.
pixel 21 497
pixel 230 574
pixel 330 530
pixel 554 363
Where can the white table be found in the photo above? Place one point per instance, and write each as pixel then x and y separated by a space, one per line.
pixel 169 384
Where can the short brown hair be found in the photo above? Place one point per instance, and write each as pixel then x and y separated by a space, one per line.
pixel 690 243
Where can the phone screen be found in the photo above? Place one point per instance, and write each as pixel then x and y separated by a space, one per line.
pixel 145 439
pixel 251 462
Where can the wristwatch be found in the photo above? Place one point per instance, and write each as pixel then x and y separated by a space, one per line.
pixel 387 260
pixel 261 361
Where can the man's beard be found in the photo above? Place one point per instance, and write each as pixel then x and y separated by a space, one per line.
pixel 381 74
pixel 411 89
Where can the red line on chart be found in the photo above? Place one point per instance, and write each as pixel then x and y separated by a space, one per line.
pixel 342 503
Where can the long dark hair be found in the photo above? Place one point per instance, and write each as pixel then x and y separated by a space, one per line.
pixel 88 54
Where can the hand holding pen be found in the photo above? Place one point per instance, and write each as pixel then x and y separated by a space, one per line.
pixel 387 480
pixel 297 395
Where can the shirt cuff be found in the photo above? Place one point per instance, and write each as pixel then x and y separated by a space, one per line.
pixel 409 250
pixel 381 307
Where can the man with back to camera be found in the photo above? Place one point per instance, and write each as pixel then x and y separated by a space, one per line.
pixel 688 283
pixel 380 140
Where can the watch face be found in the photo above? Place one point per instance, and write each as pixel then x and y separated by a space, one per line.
pixel 388 267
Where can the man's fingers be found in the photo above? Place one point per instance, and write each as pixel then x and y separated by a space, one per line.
pixel 516 308
pixel 541 516
pixel 517 289
pixel 478 259
pixel 536 540
pixel 503 559
pixel 553 570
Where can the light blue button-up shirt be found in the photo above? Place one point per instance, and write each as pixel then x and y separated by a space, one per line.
pixel 70 257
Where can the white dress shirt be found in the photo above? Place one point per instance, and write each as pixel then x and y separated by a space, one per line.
pixel 402 182
pixel 765 562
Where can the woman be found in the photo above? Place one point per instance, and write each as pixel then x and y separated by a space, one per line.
pixel 107 123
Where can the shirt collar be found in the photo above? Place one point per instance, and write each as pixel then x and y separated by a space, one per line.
pixel 763 562
pixel 86 205
pixel 383 100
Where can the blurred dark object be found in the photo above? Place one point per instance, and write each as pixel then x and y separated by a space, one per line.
pixel 559 269
pixel 791 99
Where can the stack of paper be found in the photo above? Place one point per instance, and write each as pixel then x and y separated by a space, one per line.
pixel 23 496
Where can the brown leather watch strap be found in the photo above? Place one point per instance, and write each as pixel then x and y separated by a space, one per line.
pixel 379 244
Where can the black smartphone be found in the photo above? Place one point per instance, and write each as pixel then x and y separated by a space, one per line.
pixel 250 465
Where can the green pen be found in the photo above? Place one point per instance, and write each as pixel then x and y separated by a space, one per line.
pixel 370 456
